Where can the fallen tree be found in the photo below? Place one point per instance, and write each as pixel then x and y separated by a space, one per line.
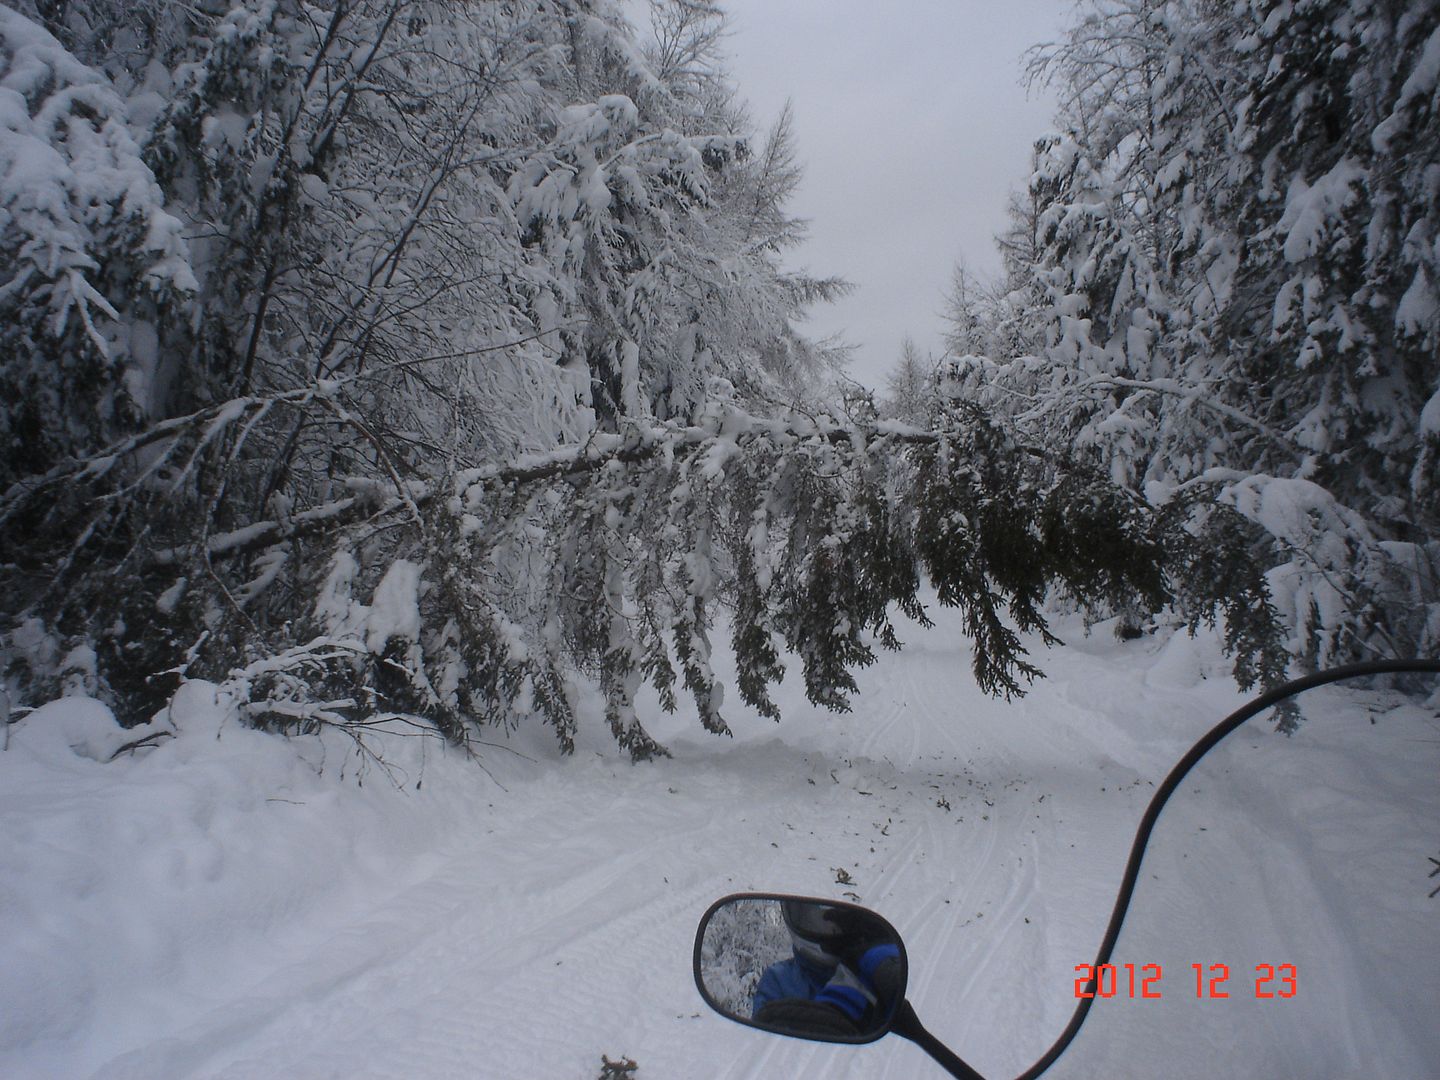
pixel 492 594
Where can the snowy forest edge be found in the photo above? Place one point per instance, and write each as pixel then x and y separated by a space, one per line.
pixel 424 359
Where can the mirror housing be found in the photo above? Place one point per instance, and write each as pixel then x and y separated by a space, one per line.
pixel 801 966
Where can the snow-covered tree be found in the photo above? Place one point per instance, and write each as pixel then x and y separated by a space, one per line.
pixel 96 276
pixel 283 257
pixel 810 534
pixel 466 332
pixel 910 387
pixel 1234 269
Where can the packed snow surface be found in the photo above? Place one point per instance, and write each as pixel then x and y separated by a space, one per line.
pixel 225 903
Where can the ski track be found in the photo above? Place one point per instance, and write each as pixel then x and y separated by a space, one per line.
pixel 555 924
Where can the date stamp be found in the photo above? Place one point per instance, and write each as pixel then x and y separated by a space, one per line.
pixel 1146 982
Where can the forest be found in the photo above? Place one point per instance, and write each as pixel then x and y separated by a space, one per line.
pixel 438 361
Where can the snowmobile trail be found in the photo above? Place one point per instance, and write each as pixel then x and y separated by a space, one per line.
pixel 524 923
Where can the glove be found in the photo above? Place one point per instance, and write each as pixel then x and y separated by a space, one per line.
pixel 882 967
pixel 848 992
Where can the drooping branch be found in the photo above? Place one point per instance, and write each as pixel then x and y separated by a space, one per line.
pixel 492 591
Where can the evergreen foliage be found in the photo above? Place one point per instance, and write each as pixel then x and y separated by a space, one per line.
pixel 910 387
pixel 94 264
pixel 503 591
pixel 1233 283
pixel 273 265
pixel 411 359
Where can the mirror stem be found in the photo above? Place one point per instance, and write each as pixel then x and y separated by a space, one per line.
pixel 907 1025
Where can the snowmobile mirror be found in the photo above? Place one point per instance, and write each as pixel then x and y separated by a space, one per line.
pixel 800 966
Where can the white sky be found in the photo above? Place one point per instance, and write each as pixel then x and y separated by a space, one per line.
pixel 913 125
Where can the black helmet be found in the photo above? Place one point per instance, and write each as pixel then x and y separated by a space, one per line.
pixel 812 921
pixel 815 932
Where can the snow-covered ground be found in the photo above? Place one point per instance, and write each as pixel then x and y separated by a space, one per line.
pixel 230 904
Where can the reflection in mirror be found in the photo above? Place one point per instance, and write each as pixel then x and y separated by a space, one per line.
pixel 815 969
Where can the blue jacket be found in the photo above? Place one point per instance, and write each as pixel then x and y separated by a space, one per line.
pixel 798 978
pixel 792 978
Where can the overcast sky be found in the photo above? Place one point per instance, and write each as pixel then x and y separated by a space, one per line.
pixel 913 125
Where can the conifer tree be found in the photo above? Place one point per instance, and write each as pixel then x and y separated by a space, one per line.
pixel 350 250
pixel 1234 272
pixel 910 387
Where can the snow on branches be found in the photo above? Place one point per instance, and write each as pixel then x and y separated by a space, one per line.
pixel 92 259
pixel 500 592
pixel 279 269
pixel 1235 273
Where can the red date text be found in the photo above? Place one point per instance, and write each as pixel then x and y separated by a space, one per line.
pixel 1212 981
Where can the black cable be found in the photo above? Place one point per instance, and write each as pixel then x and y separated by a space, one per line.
pixel 1166 789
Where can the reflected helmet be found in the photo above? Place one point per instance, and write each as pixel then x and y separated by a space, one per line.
pixel 816 936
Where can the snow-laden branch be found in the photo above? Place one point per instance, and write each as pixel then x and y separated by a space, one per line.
pixel 1190 394
pixel 373 500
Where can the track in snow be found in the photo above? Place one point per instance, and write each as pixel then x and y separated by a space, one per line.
pixel 524 931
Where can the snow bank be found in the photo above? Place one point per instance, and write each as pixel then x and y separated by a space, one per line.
pixel 226 904
pixel 133 891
